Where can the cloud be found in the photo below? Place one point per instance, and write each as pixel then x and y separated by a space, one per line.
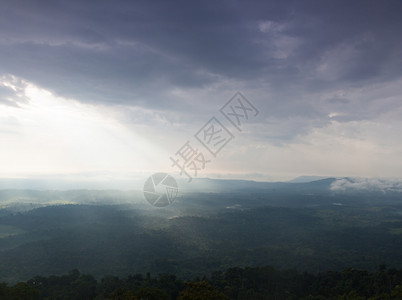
pixel 315 70
pixel 367 184
pixel 12 91
pixel 145 49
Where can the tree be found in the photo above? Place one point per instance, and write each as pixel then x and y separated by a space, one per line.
pixel 22 291
pixel 201 290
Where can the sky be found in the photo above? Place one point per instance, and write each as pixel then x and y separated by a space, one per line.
pixel 117 88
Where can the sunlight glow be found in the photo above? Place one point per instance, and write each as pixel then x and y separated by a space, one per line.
pixel 49 134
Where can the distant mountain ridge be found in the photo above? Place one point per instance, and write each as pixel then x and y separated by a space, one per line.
pixel 335 184
pixel 231 185
pixel 304 179
pixel 214 193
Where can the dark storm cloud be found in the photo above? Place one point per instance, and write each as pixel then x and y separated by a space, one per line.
pixel 136 52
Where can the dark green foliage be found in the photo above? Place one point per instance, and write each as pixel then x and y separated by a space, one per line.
pixel 298 230
pixel 19 291
pixel 72 286
pixel 201 290
pixel 248 283
pixel 118 240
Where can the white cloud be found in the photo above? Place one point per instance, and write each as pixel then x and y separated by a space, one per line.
pixel 12 90
pixel 367 184
pixel 271 27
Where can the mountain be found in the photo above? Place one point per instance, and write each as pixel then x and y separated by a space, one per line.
pixel 304 179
